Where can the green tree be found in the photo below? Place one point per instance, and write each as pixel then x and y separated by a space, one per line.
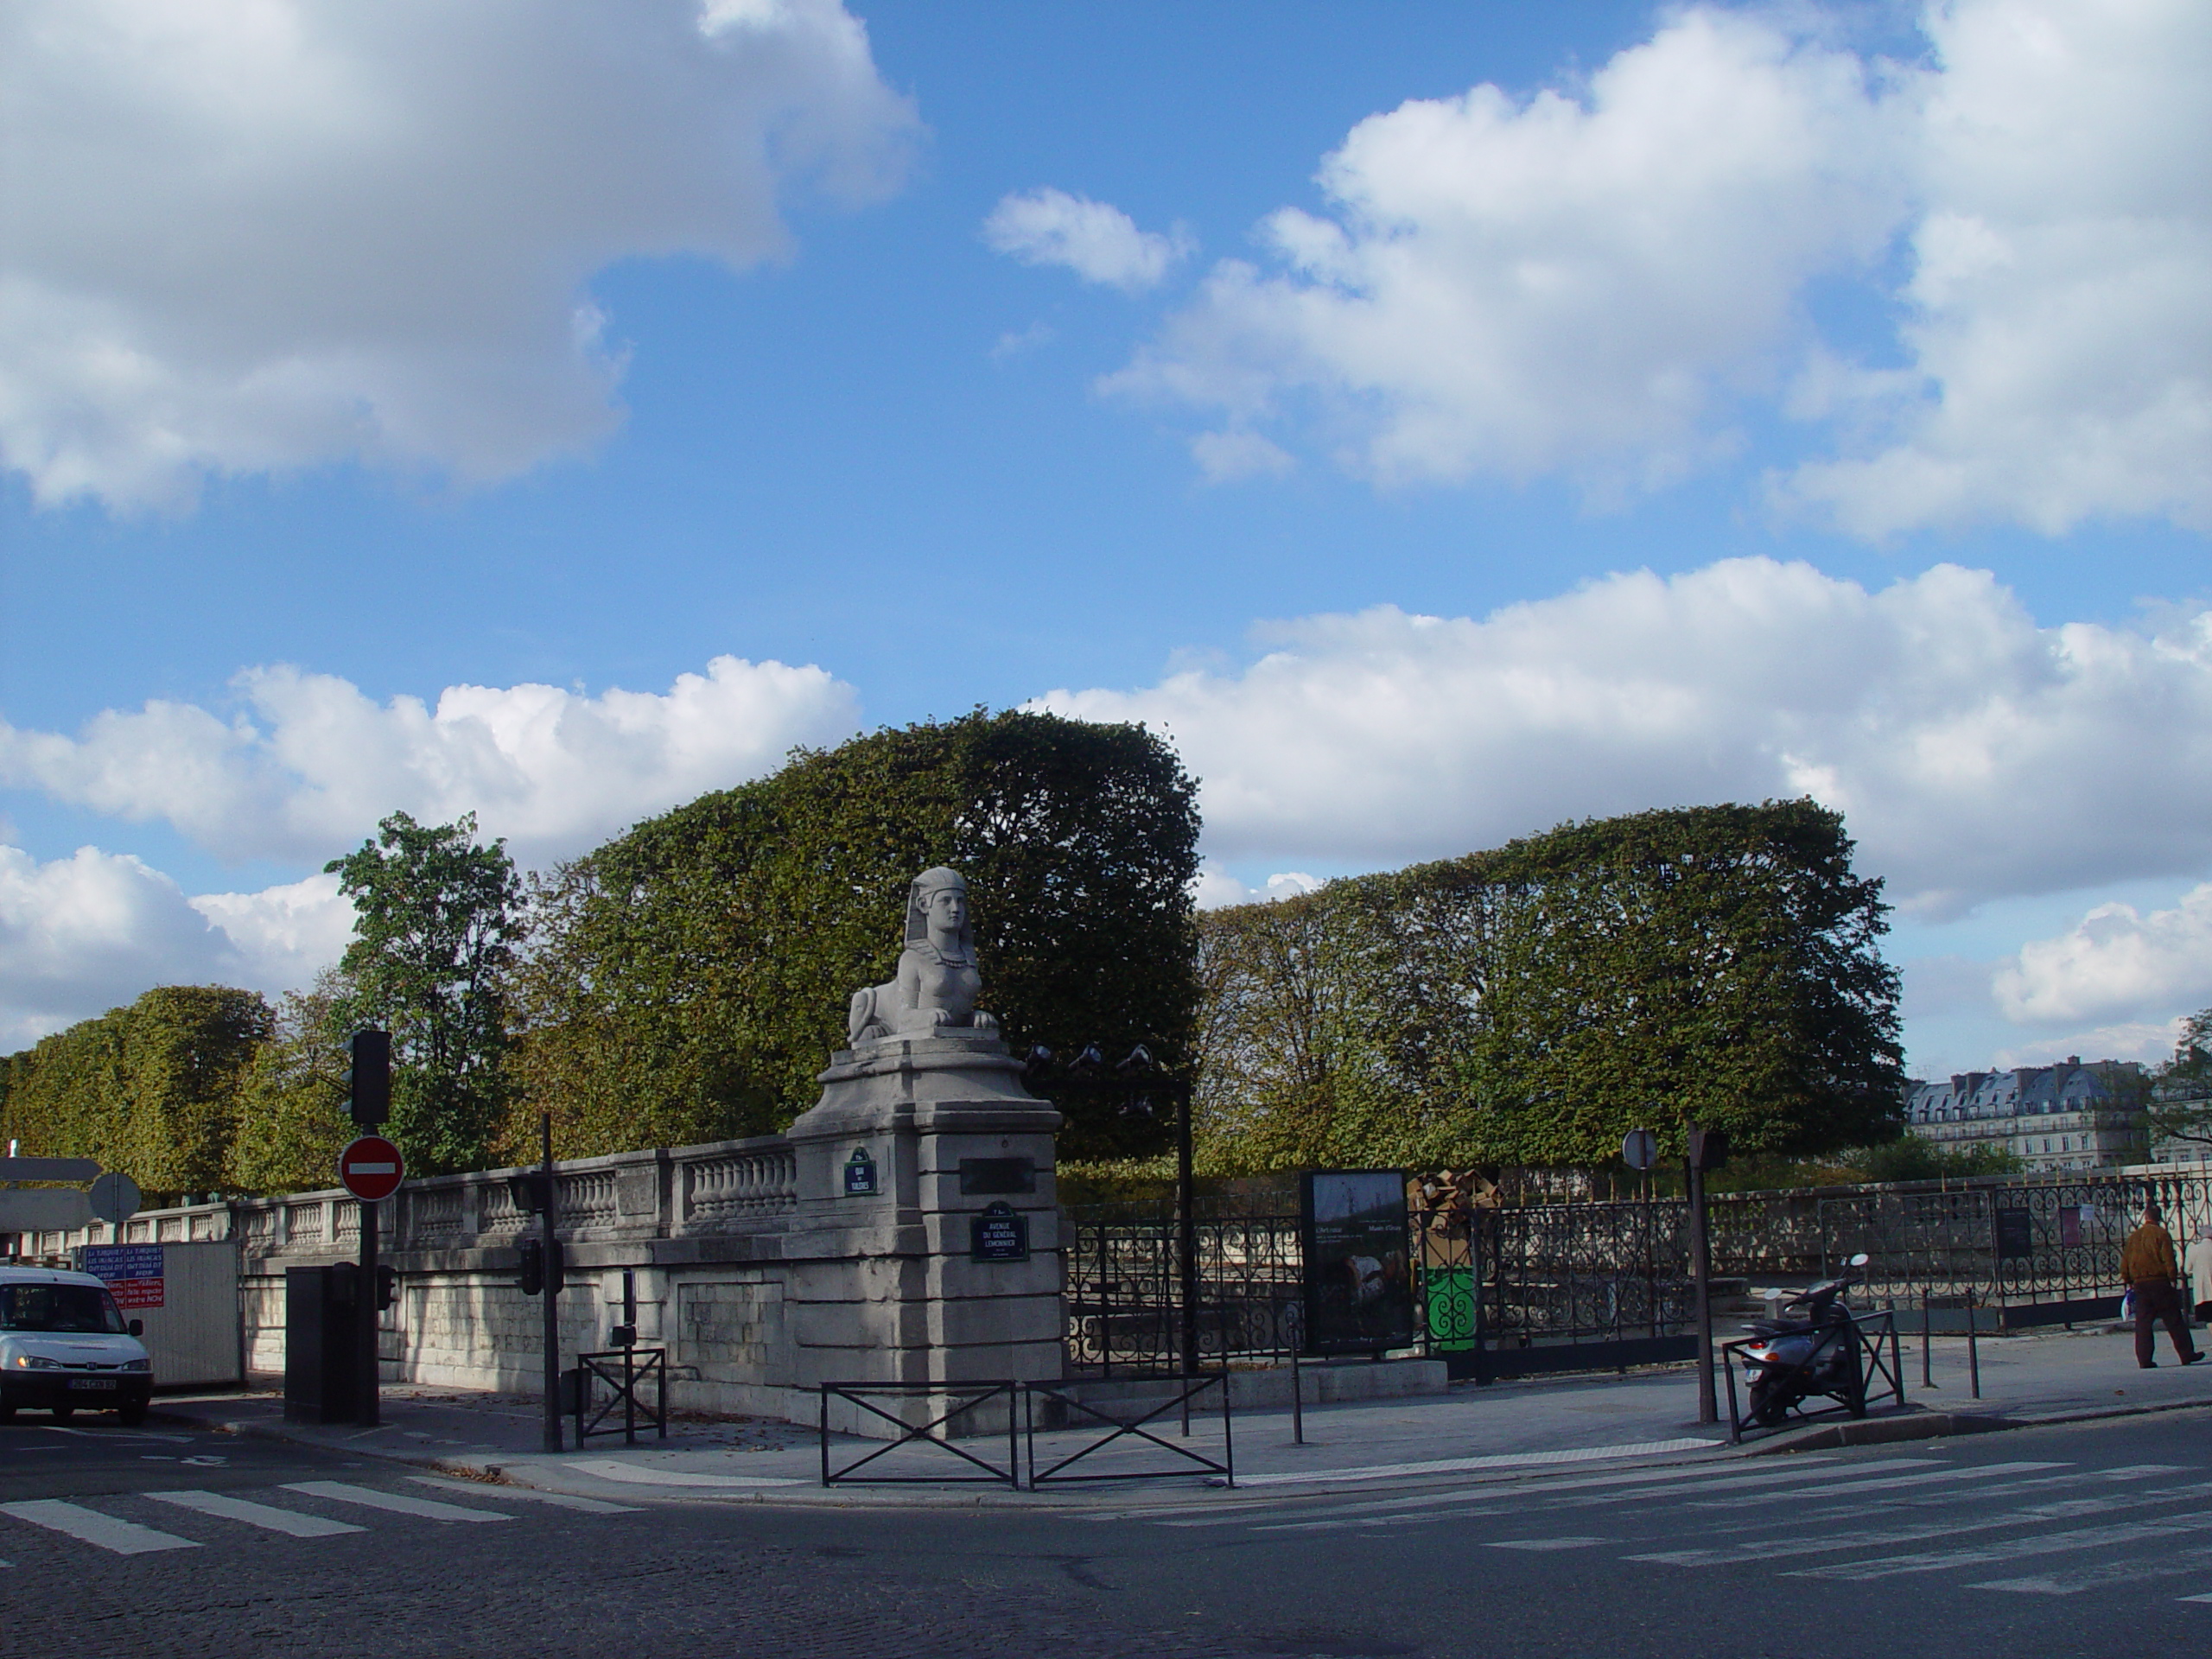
pixel 291 1109
pixel 1531 1004
pixel 152 1090
pixel 2180 1092
pixel 689 980
pixel 437 920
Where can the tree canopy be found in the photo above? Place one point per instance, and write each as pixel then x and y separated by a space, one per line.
pixel 1530 1005
pixel 152 1090
pixel 689 979
pixel 436 919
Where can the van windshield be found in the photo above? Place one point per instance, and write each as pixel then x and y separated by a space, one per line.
pixel 59 1307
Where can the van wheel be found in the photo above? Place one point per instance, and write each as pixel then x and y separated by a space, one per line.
pixel 130 1416
pixel 63 1413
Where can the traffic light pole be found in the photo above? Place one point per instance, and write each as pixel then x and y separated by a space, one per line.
pixel 1708 1400
pixel 550 1309
pixel 366 1298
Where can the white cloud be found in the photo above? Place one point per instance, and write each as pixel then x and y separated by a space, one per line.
pixel 83 934
pixel 2060 346
pixel 1974 753
pixel 310 765
pixel 1095 239
pixel 1216 887
pixel 2115 962
pixel 285 936
pixel 253 235
pixel 1514 287
pixel 1601 281
pixel 1225 457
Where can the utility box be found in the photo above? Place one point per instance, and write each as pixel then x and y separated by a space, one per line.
pixel 322 1344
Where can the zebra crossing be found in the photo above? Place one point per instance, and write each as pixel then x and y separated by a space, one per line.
pixel 152 1522
pixel 2016 1527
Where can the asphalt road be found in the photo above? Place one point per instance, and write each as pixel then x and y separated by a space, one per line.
pixel 2092 1540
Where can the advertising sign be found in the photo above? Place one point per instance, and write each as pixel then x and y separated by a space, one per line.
pixel 1359 1293
pixel 136 1274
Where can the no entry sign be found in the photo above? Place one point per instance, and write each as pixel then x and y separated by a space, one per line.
pixel 371 1168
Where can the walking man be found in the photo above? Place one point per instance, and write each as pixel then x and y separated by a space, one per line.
pixel 2147 1268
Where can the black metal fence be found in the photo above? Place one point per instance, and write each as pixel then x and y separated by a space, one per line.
pixel 1618 1273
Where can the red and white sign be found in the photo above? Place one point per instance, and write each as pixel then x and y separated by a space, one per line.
pixel 371 1168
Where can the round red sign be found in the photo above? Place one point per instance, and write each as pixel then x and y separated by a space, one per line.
pixel 371 1168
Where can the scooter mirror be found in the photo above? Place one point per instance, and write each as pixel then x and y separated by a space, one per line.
pixel 1859 1260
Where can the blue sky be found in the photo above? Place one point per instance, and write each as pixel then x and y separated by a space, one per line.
pixel 1726 401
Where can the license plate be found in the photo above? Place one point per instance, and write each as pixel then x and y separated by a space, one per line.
pixel 92 1381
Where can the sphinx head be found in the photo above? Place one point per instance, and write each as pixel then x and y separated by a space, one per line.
pixel 937 902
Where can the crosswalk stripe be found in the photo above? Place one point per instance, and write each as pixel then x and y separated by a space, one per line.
pixel 1882 1483
pixel 91 1527
pixel 1542 1543
pixel 1644 1483
pixel 1818 1544
pixel 289 1522
pixel 2012 1549
pixel 558 1500
pixel 339 1491
pixel 2099 1578
pixel 1498 1461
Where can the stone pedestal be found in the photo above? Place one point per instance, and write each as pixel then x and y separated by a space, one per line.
pixel 914 1139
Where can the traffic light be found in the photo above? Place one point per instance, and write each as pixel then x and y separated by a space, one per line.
pixel 534 1275
pixel 528 1191
pixel 369 1083
pixel 387 1288
pixel 1708 1149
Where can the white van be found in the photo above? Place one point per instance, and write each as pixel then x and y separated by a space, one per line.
pixel 65 1347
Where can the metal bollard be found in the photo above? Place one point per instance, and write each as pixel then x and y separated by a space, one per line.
pixel 1974 1347
pixel 1297 1403
pixel 1927 1339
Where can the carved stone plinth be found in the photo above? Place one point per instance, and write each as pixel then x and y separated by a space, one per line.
pixel 914 1139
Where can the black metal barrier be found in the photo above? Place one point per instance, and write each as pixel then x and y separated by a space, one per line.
pixel 1200 1463
pixel 1021 1420
pixel 638 1364
pixel 1874 1332
pixel 970 1394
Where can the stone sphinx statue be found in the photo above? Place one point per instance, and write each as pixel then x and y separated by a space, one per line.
pixel 937 982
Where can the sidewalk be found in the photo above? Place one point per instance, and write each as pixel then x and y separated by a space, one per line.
pixel 1471 1432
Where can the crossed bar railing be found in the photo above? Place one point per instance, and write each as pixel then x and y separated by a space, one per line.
pixel 1872 1332
pixel 636 1366
pixel 1021 1403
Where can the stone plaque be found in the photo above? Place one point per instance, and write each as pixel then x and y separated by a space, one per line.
pixel 998 1234
pixel 983 1177
pixel 859 1174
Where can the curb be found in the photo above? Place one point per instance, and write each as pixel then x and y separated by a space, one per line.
pixel 1916 1425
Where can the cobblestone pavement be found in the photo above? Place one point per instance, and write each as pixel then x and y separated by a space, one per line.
pixel 2089 1539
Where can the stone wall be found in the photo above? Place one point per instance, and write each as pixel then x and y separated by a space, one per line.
pixel 753 1266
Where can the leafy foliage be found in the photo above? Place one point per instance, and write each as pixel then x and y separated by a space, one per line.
pixel 1530 1005
pixel 437 918
pixel 291 1118
pixel 2180 1093
pixel 689 979
pixel 152 1090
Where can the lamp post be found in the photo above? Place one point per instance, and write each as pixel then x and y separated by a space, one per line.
pixel 1137 1077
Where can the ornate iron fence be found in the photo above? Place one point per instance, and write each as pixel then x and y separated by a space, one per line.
pixel 1618 1273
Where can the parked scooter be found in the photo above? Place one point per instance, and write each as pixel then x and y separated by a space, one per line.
pixel 1791 1361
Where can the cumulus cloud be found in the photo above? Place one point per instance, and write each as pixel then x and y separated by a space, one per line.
pixel 2114 963
pixel 2059 346
pixel 283 936
pixel 264 234
pixel 1602 281
pixel 1974 753
pixel 309 764
pixel 1216 887
pixel 1095 240
pixel 1514 286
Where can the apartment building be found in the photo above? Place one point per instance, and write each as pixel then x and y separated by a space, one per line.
pixel 2075 1116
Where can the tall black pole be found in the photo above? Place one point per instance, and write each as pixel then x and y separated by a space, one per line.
pixel 365 1309
pixel 1187 1229
pixel 551 1309
pixel 1708 1401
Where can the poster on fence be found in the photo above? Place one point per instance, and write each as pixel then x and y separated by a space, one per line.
pixel 1359 1291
